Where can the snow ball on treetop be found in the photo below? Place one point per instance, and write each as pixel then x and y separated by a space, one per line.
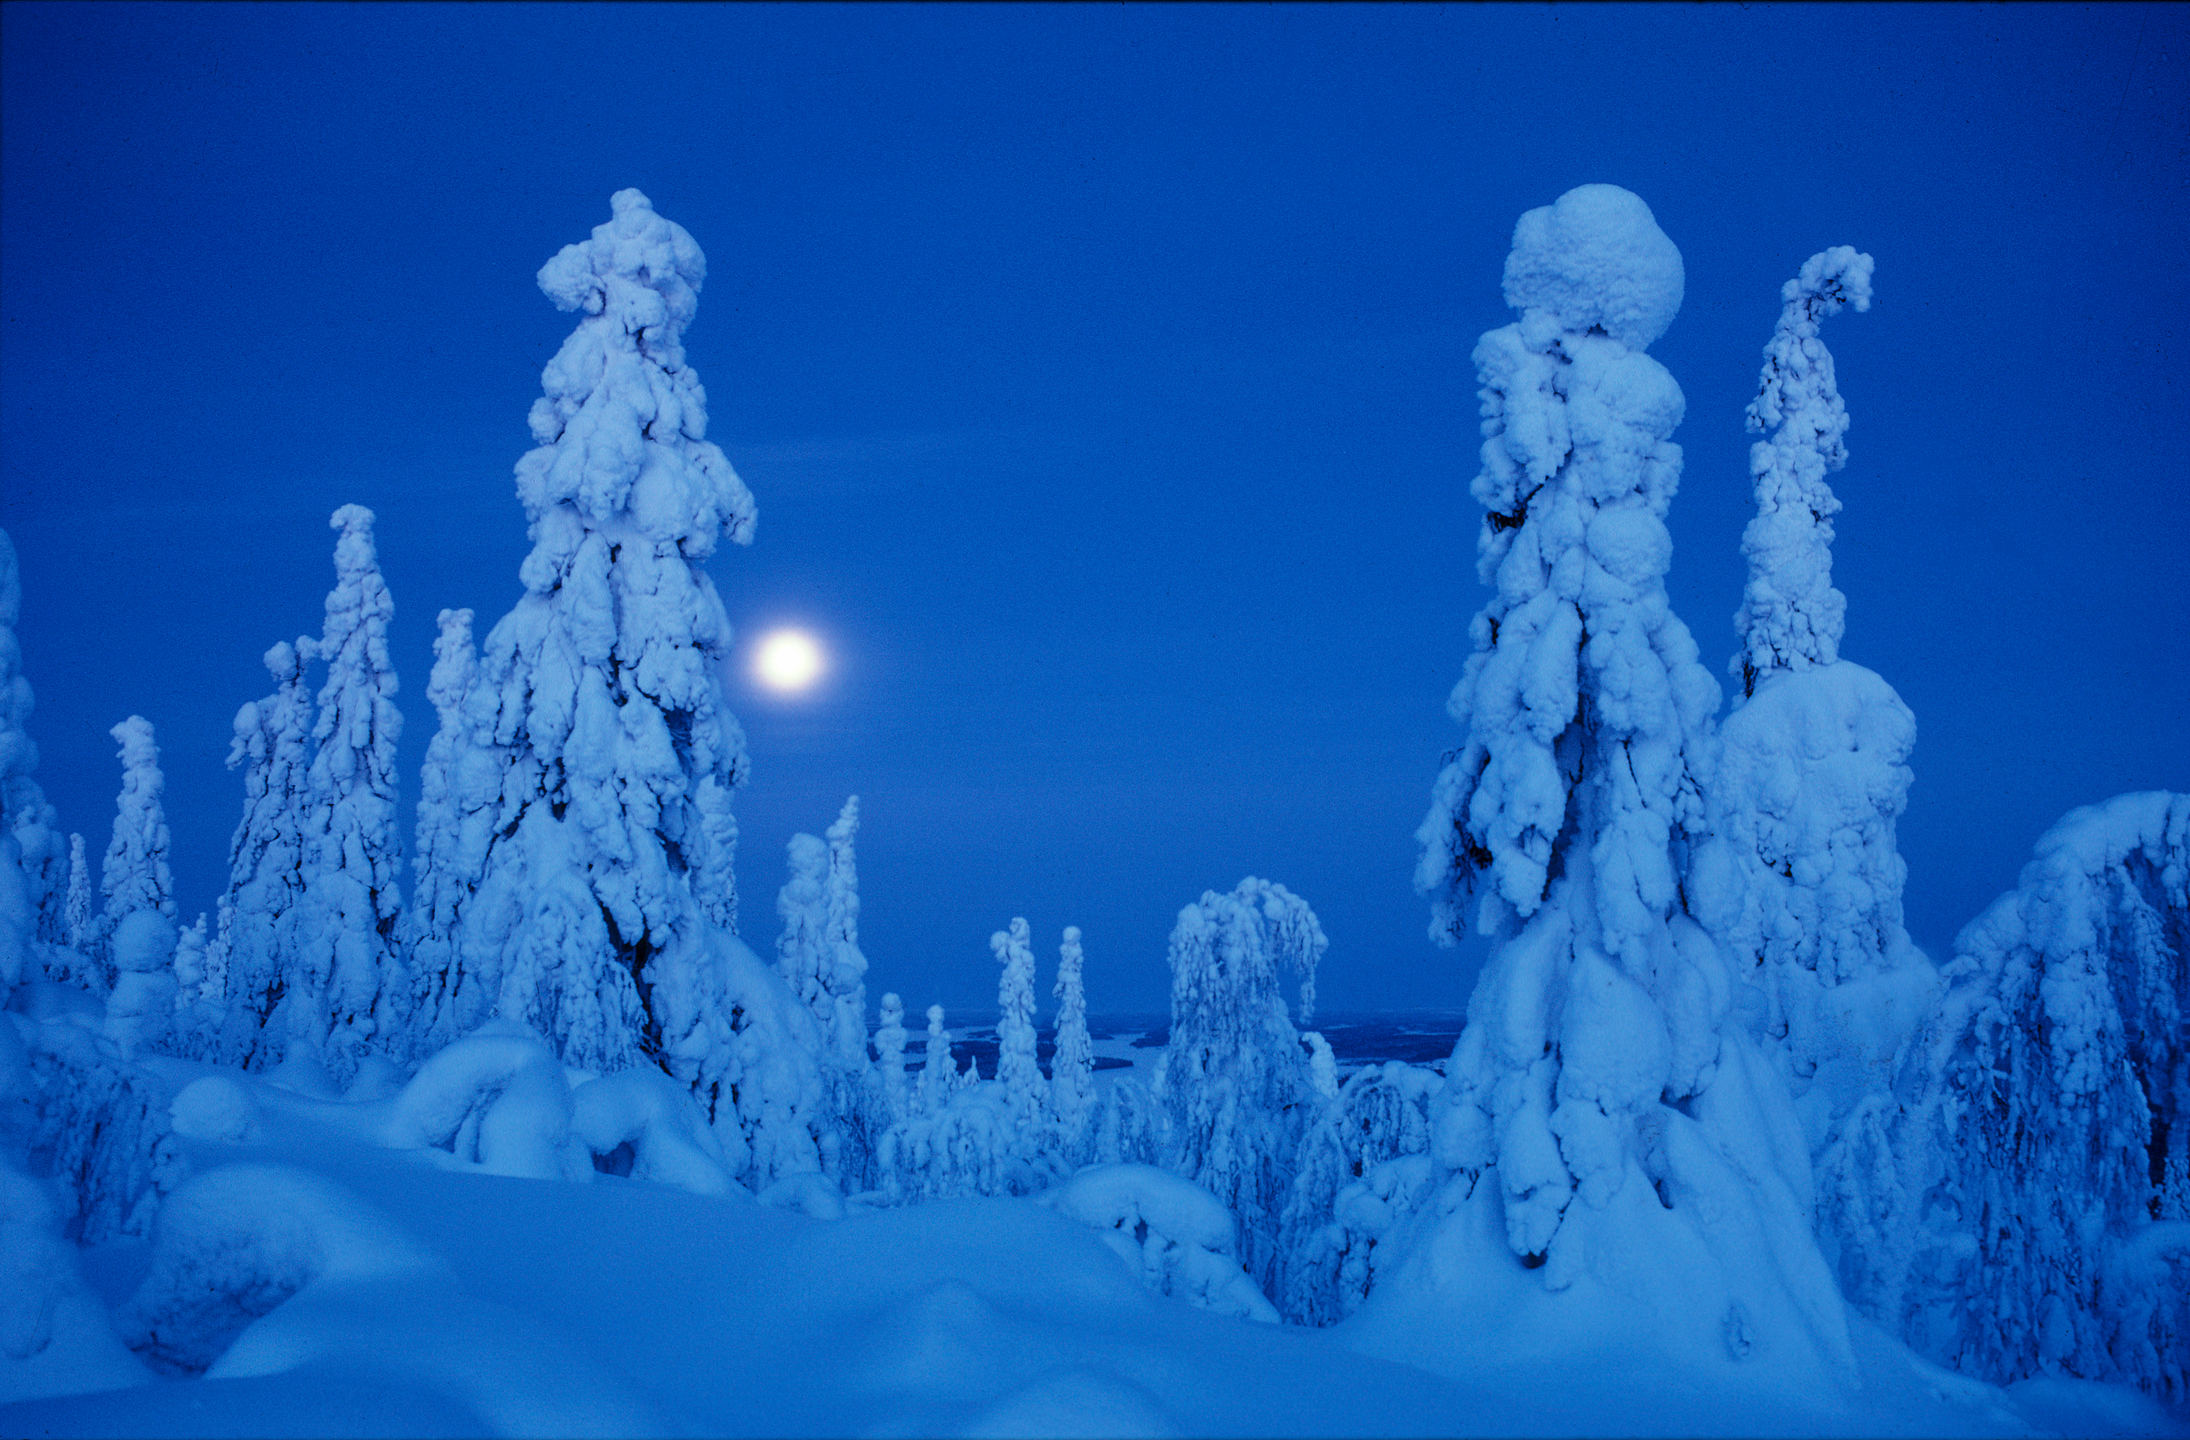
pixel 1595 258
pixel 636 246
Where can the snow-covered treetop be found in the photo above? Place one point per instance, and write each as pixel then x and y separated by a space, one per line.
pixel 1791 617
pixel 622 426
pixel 1595 259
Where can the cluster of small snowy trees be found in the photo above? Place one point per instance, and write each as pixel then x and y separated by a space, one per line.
pixel 1707 1081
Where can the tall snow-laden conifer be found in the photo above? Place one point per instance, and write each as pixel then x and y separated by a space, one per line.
pixel 1604 1117
pixel 938 1071
pixel 2053 1168
pixel 1233 1075
pixel 845 975
pixel 451 836
pixel 802 944
pixel 1802 876
pixel 605 886
pixel 76 915
pixel 135 876
pixel 273 742
pixel 23 809
pixel 1072 1062
pixel 345 993
pixel 138 926
pixel 1791 617
pixel 1017 1068
pixel 889 1044
pixel 41 858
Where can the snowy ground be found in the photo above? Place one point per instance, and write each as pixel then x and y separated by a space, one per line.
pixel 424 1297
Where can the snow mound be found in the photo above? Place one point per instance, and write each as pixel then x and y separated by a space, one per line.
pixel 645 1125
pixel 216 1108
pixel 54 1335
pixel 1073 1403
pixel 1596 259
pixel 1177 1235
pixel 234 1243
pixel 496 1099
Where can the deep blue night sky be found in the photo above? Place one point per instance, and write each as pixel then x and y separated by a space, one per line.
pixel 1103 379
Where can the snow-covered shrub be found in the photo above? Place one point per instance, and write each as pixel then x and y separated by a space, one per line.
pixel 273 739
pixel 1233 1080
pixel 1380 1115
pixel 643 1124
pixel 55 1337
pixel 345 993
pixel 236 1242
pixel 1131 1124
pixel 214 1107
pixel 1072 1062
pixel 101 1131
pixel 496 1099
pixel 973 1144
pixel 598 754
pixel 1603 1103
pixel 200 989
pixel 1176 1235
pixel 2054 1136
pixel 770 1088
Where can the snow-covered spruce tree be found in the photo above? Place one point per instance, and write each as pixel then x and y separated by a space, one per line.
pixel 1234 1077
pixel 138 926
pixel 24 812
pixel 444 863
pixel 345 993
pixel 76 915
pixel 938 1072
pixel 135 875
pixel 198 994
pixel 844 973
pixel 273 742
pixel 817 954
pixel 894 1104
pixel 1072 1061
pixel 2057 1118
pixel 1606 1122
pixel 604 910
pixel 1802 877
pixel 801 945
pixel 847 1073
pixel 1017 1068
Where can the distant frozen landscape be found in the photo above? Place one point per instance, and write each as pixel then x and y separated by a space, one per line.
pixel 525 1122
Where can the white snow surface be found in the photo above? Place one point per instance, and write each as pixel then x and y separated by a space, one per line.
pixel 327 1285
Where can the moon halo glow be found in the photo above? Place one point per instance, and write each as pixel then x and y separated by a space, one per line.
pixel 788 661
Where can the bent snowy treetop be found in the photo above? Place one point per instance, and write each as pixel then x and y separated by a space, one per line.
pixel 1596 259
pixel 622 427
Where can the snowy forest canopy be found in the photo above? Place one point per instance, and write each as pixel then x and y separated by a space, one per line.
pixel 1708 1088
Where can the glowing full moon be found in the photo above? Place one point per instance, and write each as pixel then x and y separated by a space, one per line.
pixel 788 660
